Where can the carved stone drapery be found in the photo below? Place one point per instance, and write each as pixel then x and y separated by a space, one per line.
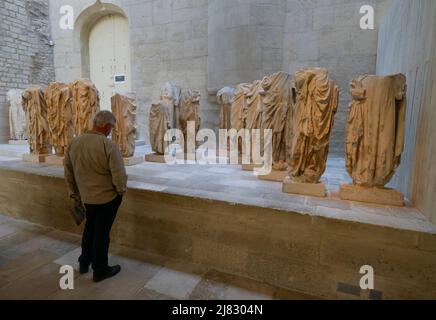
pixel 124 133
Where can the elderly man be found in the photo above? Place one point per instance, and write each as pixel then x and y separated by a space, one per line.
pixel 96 177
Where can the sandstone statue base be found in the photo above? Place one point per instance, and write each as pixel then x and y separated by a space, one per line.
pixel 133 161
pixel 249 167
pixel 18 142
pixel 154 157
pixel 35 158
pixel 55 160
pixel 275 175
pixel 306 189
pixel 383 196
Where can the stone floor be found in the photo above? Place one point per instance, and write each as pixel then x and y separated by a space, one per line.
pixel 229 183
pixel 31 256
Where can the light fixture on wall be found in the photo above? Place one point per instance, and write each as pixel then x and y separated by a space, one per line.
pixel 51 43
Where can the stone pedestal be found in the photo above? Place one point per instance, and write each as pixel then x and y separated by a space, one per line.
pixel 383 196
pixel 154 157
pixel 35 158
pixel 306 189
pixel 18 142
pixel 249 167
pixel 55 160
pixel 278 176
pixel 133 161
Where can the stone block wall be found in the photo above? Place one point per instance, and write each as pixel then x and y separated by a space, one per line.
pixel 407 45
pixel 26 56
pixel 327 34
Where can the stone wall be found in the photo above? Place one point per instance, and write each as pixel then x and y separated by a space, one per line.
pixel 208 44
pixel 407 45
pixel 327 34
pixel 168 43
pixel 25 54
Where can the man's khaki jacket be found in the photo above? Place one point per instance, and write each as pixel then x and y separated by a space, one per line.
pixel 94 169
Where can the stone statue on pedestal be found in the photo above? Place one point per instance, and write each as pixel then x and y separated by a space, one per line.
pixel 189 111
pixel 238 109
pixel 17 117
pixel 225 98
pixel 86 104
pixel 38 131
pixel 170 97
pixel 124 134
pixel 60 116
pixel 277 103
pixel 313 117
pixel 160 122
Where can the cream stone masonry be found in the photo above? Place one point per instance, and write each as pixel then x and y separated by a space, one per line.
pixel 60 116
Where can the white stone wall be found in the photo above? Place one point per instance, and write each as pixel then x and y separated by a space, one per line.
pixel 327 33
pixel 168 43
pixel 407 44
pixel 209 44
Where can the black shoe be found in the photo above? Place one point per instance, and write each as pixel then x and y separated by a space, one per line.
pixel 84 268
pixel 108 273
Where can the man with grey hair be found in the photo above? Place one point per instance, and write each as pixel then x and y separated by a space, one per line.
pixel 96 176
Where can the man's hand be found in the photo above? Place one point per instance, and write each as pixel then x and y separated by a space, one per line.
pixel 77 209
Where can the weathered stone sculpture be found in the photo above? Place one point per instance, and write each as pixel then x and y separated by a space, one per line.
pixel 38 131
pixel 17 116
pixel 253 115
pixel 170 96
pixel 313 118
pixel 124 134
pixel 60 116
pixel 189 111
pixel 86 104
pixel 159 124
pixel 277 103
pixel 225 98
pixel 238 109
pixel 375 137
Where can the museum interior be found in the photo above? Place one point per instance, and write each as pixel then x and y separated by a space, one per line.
pixel 343 92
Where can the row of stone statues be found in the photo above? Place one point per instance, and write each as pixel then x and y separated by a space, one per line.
pixel 49 118
pixel 174 110
pixel 300 111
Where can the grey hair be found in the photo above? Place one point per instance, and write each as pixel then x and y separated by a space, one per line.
pixel 103 118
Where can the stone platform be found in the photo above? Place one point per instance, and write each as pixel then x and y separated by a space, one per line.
pixel 222 218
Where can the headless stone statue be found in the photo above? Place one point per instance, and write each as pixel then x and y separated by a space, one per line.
pixel 60 116
pixel 160 122
pixel 17 116
pixel 38 131
pixel 313 118
pixel 170 97
pixel 225 98
pixel 277 102
pixel 124 134
pixel 375 132
pixel 86 104
pixel 238 109
pixel 189 111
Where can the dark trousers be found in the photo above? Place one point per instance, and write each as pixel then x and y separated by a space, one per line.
pixel 95 240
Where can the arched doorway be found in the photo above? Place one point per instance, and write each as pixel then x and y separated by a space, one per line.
pixel 109 57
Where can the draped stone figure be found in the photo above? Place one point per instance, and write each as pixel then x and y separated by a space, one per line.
pixel 189 111
pixel 124 134
pixel 313 118
pixel 375 132
pixel 60 116
pixel 38 131
pixel 277 103
pixel 86 104
pixel 17 116
pixel 254 99
pixel 170 96
pixel 159 124
pixel 225 98
pixel 238 109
